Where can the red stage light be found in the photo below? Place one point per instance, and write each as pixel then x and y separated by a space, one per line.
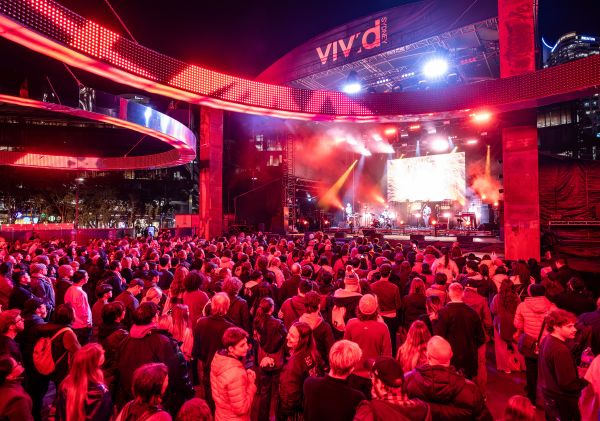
pixel 414 127
pixel 391 131
pixel 434 222
pixel 472 142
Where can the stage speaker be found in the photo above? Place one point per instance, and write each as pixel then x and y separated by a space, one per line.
pixel 464 239
pixel 417 237
pixel 368 232
pixel 340 235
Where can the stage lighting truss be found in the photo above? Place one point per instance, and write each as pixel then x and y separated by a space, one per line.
pixel 51 29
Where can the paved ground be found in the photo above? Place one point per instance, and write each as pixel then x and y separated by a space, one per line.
pixel 502 386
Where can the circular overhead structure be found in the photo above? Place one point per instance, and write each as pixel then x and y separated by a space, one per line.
pixel 55 136
pixel 49 28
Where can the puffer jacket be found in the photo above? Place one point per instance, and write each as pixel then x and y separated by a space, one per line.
pixel 450 396
pixel 530 315
pixel 232 389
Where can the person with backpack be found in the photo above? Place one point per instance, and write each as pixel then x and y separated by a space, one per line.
pixel 83 395
pixel 58 343
pixel 344 302
pixel 390 401
pixel 149 384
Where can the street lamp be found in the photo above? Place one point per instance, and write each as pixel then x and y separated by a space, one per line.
pixel 78 181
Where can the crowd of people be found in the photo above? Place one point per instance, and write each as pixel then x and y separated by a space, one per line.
pixel 247 327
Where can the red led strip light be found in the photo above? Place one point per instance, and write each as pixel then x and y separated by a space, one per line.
pixel 182 141
pixel 49 28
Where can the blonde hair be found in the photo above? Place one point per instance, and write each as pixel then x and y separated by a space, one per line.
pixel 85 368
pixel 343 356
pixel 152 293
pixel 181 316
pixel 415 346
pixel 165 322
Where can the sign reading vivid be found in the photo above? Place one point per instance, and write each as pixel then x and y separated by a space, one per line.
pixel 50 29
pixel 370 39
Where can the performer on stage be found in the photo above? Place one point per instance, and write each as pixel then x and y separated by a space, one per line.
pixel 348 210
pixel 426 212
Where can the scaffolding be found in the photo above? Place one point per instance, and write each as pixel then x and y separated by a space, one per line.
pixel 289 184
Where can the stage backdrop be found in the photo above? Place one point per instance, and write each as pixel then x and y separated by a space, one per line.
pixel 430 178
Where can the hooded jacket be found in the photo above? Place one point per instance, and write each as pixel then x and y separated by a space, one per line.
pixel 147 344
pixel 530 315
pixel 232 389
pixel 322 333
pixel 291 310
pixel 449 395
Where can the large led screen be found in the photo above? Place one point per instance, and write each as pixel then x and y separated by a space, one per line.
pixel 430 178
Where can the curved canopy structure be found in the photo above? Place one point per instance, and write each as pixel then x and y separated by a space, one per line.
pixel 50 29
pixel 178 142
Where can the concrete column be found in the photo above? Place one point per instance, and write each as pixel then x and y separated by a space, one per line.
pixel 519 144
pixel 211 172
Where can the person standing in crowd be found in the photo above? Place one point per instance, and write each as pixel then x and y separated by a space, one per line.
pixel 504 307
pixel 193 297
pixel 293 308
pixel 42 287
pixel 6 283
pixel 238 312
pixel 461 326
pixel 330 397
pixel 322 332
pixel 21 291
pixel 304 362
pixel 111 334
pixel 15 404
pixel 529 319
pixel 344 302
pixel 413 352
pixel 559 379
pixel 390 302
pixel 78 299
pixel 63 283
pixel 592 319
pixel 83 395
pixel 390 401
pixel 129 299
pixel 575 299
pixel 450 395
pixel 11 324
pixel 208 335
pixel 145 344
pixel 270 335
pixel 103 296
pixel 413 304
pixel 233 386
pixel 372 336
pixel 149 385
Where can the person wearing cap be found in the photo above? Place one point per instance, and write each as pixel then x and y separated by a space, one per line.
pixel 103 295
pixel 462 327
pixel 346 298
pixel 450 395
pixel 529 318
pixel 390 402
pixel 129 299
pixel 373 337
pixel 331 397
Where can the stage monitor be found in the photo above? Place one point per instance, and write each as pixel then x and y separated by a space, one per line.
pixel 427 178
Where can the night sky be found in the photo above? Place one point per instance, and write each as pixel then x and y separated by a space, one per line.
pixel 245 37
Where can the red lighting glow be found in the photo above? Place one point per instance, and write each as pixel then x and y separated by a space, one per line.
pixel 482 117
pixel 390 131
pixel 414 127
pixel 49 28
pixel 472 142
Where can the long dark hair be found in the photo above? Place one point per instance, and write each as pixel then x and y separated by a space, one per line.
pixel 508 297
pixel 264 307
pixel 306 343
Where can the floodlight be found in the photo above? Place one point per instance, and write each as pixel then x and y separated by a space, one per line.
pixel 435 68
pixel 439 144
pixel 352 84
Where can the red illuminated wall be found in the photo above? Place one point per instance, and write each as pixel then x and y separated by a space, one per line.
pixel 519 144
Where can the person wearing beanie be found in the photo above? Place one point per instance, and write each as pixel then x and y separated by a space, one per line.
pixel 390 402
pixel 529 318
pixel 341 307
pixel 451 396
pixel 373 337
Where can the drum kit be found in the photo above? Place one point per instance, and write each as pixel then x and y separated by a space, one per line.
pixel 382 220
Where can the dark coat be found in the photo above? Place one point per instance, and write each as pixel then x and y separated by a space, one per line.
pixel 326 398
pixel 19 295
pixel 460 325
pixel 208 335
pixel 450 396
pixel 144 345
pixel 15 403
pixel 98 404
pixel 300 366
